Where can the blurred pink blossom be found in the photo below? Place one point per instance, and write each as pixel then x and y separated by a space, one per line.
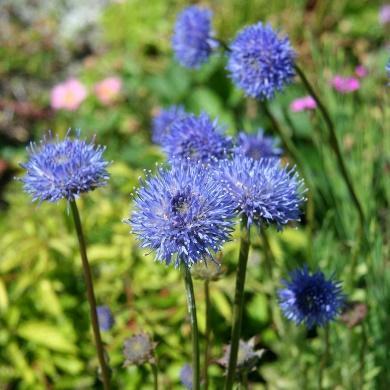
pixel 108 90
pixel 345 84
pixel 384 14
pixel 361 71
pixel 68 95
pixel 302 104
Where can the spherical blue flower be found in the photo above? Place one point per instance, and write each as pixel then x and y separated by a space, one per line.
pixel 388 68
pixel 260 62
pixel 198 138
pixel 64 169
pixel 192 40
pixel 186 376
pixel 182 214
pixel 163 121
pixel 257 145
pixel 310 298
pixel 263 190
pixel 105 318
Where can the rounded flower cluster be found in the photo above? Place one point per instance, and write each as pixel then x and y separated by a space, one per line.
pixel 182 214
pixel 186 376
pixel 191 40
pixel 64 169
pixel 163 122
pixel 257 146
pixel 260 62
pixel 197 138
pixel 105 318
pixel 310 298
pixel 263 190
pixel 139 349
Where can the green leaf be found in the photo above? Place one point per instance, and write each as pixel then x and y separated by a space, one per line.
pixel 46 335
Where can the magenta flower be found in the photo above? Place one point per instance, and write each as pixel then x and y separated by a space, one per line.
pixel 384 14
pixel 107 91
pixel 361 71
pixel 345 84
pixel 68 95
pixel 303 104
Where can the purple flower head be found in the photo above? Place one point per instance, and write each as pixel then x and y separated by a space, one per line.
pixel 65 168
pixel 384 14
pixel 303 104
pixel 182 214
pixel 163 122
pixel 186 376
pixel 310 298
pixel 263 190
pixel 361 71
pixel 345 84
pixel 192 40
pixel 260 62
pixel 105 318
pixel 257 145
pixel 388 68
pixel 139 349
pixel 198 138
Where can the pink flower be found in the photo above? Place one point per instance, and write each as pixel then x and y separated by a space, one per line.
pixel 68 95
pixel 345 84
pixel 302 104
pixel 108 90
pixel 384 14
pixel 361 71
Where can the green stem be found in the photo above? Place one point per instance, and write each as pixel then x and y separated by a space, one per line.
pixel 91 297
pixel 207 334
pixel 155 375
pixel 325 358
pixel 334 144
pixel 238 305
pixel 194 326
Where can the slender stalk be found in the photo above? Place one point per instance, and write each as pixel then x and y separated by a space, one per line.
pixel 91 297
pixel 194 326
pixel 207 334
pixel 155 375
pixel 334 144
pixel 325 358
pixel 238 305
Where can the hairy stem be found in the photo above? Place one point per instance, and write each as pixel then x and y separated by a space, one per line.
pixel 238 305
pixel 194 328
pixel 91 296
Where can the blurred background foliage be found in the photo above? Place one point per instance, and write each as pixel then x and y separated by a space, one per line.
pixel 45 338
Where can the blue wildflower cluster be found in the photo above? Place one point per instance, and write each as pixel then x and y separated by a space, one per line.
pixel 260 62
pixel 198 138
pixel 257 145
pixel 139 349
pixel 311 298
pixel 105 318
pixel 192 38
pixel 163 121
pixel 63 169
pixel 186 376
pixel 182 214
pixel 263 190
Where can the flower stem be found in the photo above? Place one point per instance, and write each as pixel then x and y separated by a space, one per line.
pixel 238 305
pixel 334 144
pixel 207 334
pixel 194 325
pixel 325 358
pixel 91 296
pixel 155 375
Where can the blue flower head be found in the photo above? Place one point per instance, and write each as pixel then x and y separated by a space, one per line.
pixel 105 318
pixel 139 349
pixel 388 68
pixel 260 62
pixel 198 138
pixel 186 376
pixel 257 145
pixel 191 40
pixel 263 190
pixel 182 214
pixel 310 298
pixel 65 168
pixel 163 122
